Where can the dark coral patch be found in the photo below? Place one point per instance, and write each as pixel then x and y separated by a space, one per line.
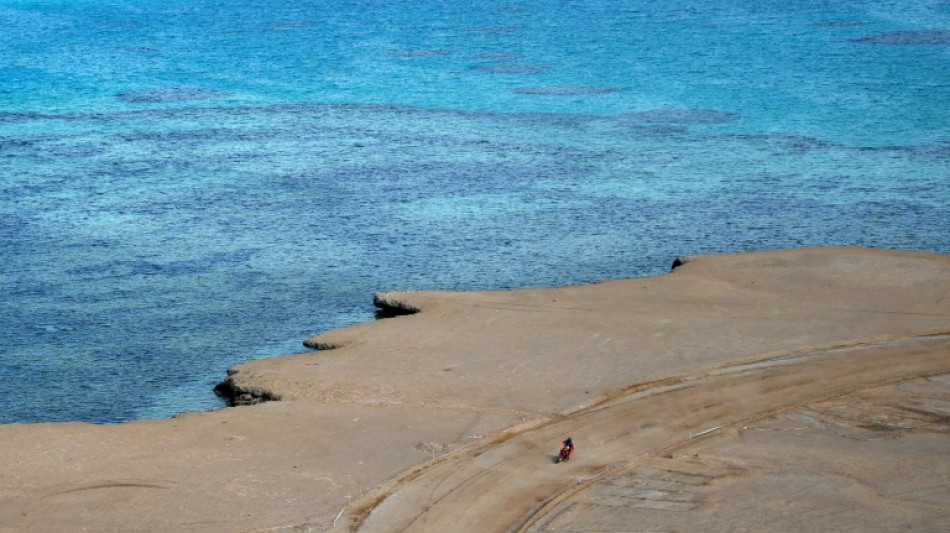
pixel 682 116
pixel 841 24
pixel 566 90
pixel 404 54
pixel 931 37
pixel 508 69
pixel 176 94
pixel 496 29
pixel 494 56
pixel 295 24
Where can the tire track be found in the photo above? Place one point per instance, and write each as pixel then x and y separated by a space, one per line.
pixel 510 484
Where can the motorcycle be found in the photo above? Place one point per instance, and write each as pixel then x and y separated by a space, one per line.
pixel 564 454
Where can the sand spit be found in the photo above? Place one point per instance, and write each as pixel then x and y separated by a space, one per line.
pixel 813 380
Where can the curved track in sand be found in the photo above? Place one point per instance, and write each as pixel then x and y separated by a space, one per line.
pixel 510 484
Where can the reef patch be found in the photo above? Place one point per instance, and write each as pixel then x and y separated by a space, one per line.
pixel 171 95
pixel 682 116
pixel 508 69
pixel 566 90
pixel 928 37
pixel 408 54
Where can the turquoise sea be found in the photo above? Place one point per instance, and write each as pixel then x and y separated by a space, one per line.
pixel 186 185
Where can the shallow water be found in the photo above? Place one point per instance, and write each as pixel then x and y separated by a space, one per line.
pixel 188 185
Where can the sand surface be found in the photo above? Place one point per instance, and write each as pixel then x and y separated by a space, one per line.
pixel 791 390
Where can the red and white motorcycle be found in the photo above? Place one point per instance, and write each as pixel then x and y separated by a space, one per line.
pixel 566 450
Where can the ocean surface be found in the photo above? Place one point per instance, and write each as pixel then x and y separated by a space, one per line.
pixel 186 185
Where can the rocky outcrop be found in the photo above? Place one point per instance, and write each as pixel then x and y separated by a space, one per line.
pixel 680 261
pixel 390 305
pixel 242 395
pixel 315 344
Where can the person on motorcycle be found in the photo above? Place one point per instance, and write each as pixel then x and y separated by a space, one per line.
pixel 567 449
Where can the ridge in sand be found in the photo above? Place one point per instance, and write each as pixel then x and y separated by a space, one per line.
pixel 811 381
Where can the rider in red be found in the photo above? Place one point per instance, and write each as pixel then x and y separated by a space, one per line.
pixel 568 449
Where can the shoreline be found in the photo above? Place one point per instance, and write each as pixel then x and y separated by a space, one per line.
pixel 450 372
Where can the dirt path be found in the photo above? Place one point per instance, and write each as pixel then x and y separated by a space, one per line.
pixel 508 486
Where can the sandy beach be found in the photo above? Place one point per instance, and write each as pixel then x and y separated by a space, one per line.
pixel 789 390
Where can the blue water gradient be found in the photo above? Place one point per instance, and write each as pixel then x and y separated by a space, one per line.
pixel 188 185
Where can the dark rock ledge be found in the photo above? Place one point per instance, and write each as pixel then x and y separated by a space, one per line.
pixel 323 346
pixel 237 395
pixel 680 261
pixel 389 305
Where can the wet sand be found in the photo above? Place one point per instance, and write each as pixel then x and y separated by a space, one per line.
pixel 812 382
